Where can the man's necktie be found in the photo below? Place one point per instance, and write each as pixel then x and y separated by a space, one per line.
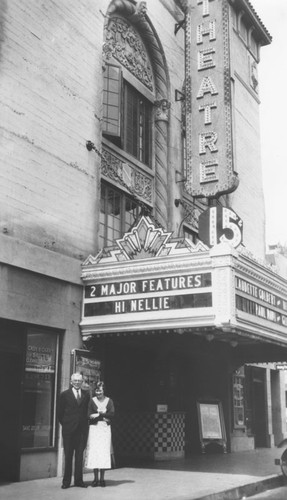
pixel 78 397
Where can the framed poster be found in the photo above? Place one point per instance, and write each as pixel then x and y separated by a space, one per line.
pixel 88 364
pixel 238 398
pixel 211 424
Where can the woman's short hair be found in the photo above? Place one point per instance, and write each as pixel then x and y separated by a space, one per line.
pixel 100 385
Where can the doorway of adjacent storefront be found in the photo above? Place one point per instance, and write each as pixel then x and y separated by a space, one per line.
pixel 28 372
pixel 10 410
pixel 256 405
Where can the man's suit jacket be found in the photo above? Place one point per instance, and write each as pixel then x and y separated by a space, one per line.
pixel 71 414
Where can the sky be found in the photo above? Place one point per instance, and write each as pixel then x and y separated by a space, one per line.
pixel 272 71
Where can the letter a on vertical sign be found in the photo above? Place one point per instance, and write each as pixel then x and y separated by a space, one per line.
pixel 219 225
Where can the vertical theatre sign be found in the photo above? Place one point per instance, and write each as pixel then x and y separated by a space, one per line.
pixel 209 154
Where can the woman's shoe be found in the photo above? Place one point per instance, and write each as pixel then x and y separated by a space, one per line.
pixel 95 483
pixel 103 483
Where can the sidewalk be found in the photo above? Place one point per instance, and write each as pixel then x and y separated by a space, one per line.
pixel 206 477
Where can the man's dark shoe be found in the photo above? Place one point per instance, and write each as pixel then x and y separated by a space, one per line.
pixel 65 486
pixel 81 485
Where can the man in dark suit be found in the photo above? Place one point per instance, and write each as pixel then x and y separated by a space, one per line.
pixel 73 416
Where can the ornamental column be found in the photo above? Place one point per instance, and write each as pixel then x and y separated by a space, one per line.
pixel 161 161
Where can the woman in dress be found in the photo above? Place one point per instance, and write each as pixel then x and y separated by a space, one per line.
pixel 100 412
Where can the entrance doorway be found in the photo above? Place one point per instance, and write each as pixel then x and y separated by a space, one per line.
pixel 10 414
pixel 256 405
pixel 259 413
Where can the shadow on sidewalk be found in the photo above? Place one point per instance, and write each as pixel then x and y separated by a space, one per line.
pixel 112 482
pixel 258 462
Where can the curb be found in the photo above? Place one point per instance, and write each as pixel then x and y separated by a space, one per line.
pixel 247 490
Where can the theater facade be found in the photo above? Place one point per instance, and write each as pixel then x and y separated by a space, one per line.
pixel 178 327
pixel 132 235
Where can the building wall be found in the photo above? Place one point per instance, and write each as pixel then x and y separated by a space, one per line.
pixel 278 261
pixel 50 60
pixel 55 107
pixel 50 105
pixel 248 199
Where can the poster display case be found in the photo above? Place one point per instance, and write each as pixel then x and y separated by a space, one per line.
pixel 238 399
pixel 211 424
pixel 86 363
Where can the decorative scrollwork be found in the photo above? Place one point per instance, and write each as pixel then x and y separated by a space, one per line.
pixel 114 168
pixel 124 44
pixel 191 213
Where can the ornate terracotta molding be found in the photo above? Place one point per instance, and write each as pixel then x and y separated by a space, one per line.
pixel 124 44
pixel 146 240
pixel 117 170
pixel 162 110
pixel 129 8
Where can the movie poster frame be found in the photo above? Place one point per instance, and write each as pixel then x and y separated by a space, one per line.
pixel 211 424
pixel 89 365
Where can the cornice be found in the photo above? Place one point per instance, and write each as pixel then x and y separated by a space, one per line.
pixel 261 30
pixel 260 271
pixel 134 269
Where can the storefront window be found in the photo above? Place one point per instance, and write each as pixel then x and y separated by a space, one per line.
pixel 38 424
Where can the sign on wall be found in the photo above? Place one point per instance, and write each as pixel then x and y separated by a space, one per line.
pixel 38 404
pixel 148 295
pixel 219 225
pixel 281 366
pixel 260 302
pixel 209 150
pixel 88 364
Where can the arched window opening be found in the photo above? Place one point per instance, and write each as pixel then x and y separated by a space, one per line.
pixel 134 119
pixel 127 115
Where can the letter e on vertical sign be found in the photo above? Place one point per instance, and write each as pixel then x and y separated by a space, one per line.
pixel 219 225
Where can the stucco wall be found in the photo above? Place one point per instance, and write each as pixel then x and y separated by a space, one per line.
pixel 51 104
pixel 49 87
pixel 248 199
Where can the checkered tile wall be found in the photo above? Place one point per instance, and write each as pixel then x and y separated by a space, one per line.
pixel 145 435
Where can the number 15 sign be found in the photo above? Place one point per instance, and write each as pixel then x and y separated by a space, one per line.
pixel 219 225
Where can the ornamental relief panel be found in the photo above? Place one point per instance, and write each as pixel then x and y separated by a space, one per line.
pixel 134 181
pixel 260 278
pixel 191 214
pixel 124 44
pixel 266 275
pixel 222 293
pixel 129 271
pixel 146 240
